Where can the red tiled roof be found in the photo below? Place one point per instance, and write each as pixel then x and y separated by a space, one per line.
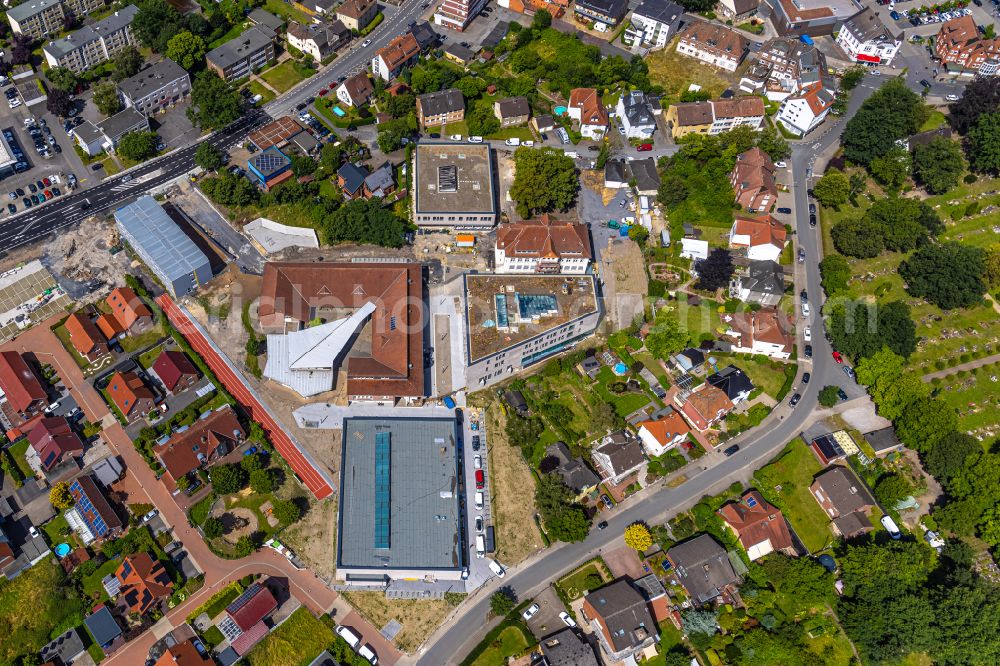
pixel 144 582
pixel 184 654
pixel 667 427
pixel 179 454
pixel 127 307
pixel 544 238
pixel 592 111
pixel 126 389
pixel 252 606
pixel 19 382
pixel 109 326
pixel 83 333
pixel 171 365
pixel 399 50
pixel 756 521
pixel 52 438
pixel 761 230
pixel 249 638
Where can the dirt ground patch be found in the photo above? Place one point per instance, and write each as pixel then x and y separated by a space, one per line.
pixel 626 257
pixel 594 180
pixel 517 536
pixel 419 617
pixel 314 538
pixel 675 72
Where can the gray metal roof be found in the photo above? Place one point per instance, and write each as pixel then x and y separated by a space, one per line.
pixel 122 122
pixel 423 515
pixel 702 567
pixel 148 224
pixel 103 626
pixel 152 79
pixel 89 33
pixel 28 9
pixel 87 132
pixel 238 48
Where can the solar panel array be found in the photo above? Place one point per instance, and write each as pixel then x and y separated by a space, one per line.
pixel 83 505
pixel 382 489
pixel 269 161
pixel 751 501
pixel 243 599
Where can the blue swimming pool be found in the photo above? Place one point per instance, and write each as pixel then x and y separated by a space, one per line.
pixel 620 368
pixel 62 550
pixel 560 110
pixel 339 111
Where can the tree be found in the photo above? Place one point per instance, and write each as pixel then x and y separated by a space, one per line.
pixel 137 145
pixel 852 76
pixel 253 462
pixel 58 103
pixel 60 497
pixel 364 221
pixel 214 103
pixel 715 271
pixel 230 190
pixel 983 142
pixel 695 6
pixel 544 180
pixel 481 121
pixel 991 261
pixel 891 488
pixel 213 527
pixel 858 238
pixel 244 546
pixel 501 601
pixel 859 329
pixel 667 336
pixel 228 479
pixel 893 168
pixel 541 20
pixel 836 273
pixel 62 78
pixel 105 98
pixel 155 23
pixel 303 165
pixel 903 223
pixel 828 396
pixel 638 537
pixel 21 53
pixel 185 49
pixel 184 482
pixel 638 233
pixel 949 275
pixel 938 165
pixel 391 135
pixel 286 511
pixel 672 191
pixel 894 112
pixel 833 189
pixel 471 87
pixel 126 63
pixel 800 578
pixel 949 454
pixel 603 417
pixel 925 422
pixel 208 157
pixel 772 143
pixel 564 520
pixel 981 96
pixel 261 481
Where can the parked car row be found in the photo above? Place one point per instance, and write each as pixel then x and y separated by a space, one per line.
pixel 13 101
pixel 38 192
pixel 924 18
pixel 355 641
pixel 22 164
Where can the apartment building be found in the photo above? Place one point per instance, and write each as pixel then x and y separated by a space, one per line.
pixel 713 44
pixel 653 23
pixel 810 17
pixel 319 40
pixel 753 181
pixel 866 39
pixel 605 12
pixel 394 56
pixel 241 56
pixel 38 18
pixel 783 67
pixel 457 14
pixel 636 115
pixel 963 50
pixel 440 108
pixel 357 14
pixel 802 113
pixel 543 246
pixel 714 117
pixel 93 44
pixel 156 88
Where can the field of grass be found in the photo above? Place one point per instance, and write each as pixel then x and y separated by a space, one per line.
pixel 676 73
pixel 935 120
pixel 283 76
pixel 63 336
pixel 419 617
pixel 510 643
pixel 794 470
pixel 766 374
pixel 35 607
pixel 522 133
pixel 976 398
pixel 257 88
pixel 233 33
pixel 287 11
pixel 296 641
pixel 575 585
pixel 132 343
pixel 218 601
pixel 91 585
pixel 17 452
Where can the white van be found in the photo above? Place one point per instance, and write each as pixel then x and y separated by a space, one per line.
pixel 368 653
pixel 513 142
pixel 805 309
pixel 479 501
pixel 352 638
pixel 480 546
pixel 497 569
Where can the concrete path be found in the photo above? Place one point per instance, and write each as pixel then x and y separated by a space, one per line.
pixel 971 365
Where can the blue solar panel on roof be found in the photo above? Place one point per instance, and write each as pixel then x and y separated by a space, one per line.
pixel 382 494
pixel 751 502
pixel 244 598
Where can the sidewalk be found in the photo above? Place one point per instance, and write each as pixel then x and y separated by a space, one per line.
pixel 971 365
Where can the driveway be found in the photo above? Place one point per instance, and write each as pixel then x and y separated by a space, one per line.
pixel 546 621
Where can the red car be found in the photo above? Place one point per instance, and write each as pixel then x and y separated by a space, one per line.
pixel 837 357
pixel 644 147
pixel 322 92
pixel 480 480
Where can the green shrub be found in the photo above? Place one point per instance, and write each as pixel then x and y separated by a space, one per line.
pixel 970 178
pixel 965 358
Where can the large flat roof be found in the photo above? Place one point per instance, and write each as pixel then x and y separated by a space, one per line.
pixel 174 253
pixel 405 484
pixel 529 305
pixel 454 178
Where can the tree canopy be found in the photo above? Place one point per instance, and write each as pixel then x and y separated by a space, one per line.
pixel 186 49
pixel 137 145
pixel 833 189
pixel 859 329
pixel 835 271
pixel 545 180
pixel 981 95
pixel 563 519
pixel 949 275
pixel 126 63
pixel 214 103
pixel 983 144
pixel 938 165
pixel 715 271
pixel 105 98
pixel 364 221
pixel 208 157
pixel 894 112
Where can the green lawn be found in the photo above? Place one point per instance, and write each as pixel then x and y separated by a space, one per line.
pixel 17 452
pixel 624 403
pixel 576 585
pixel 257 88
pixel 148 357
pixel 766 374
pixel 63 336
pixel 199 512
pixel 520 132
pixel 794 470
pixel 283 76
pixel 670 637
pixel 57 530
pixel 510 643
pixel 976 398
pixel 296 641
pixel 935 120
pixel 287 11
pixel 453 128
pixel 36 607
pixel 233 33
pixel 92 588
pixel 676 73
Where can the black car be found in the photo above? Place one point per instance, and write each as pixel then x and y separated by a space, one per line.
pixel 602 525
pixel 785 211
pixel 20 192
pixel 812 220
pixel 55 191
pixel 841 394
pixel 57 148
pixel 925 83
pixel 32 187
pixel 812 209
pixel 808 351
pixel 97 167
pixel 27 202
pixel 806 377
pixel 732 450
pixel 804 296
pixel 795 400
pixel 12 208
pixel 35 199
pixel 475 442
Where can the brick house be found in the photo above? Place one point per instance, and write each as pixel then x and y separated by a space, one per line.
pixel 753 181
pixel 175 370
pixel 85 337
pixel 128 309
pixel 26 398
pixel 211 437
pixel 760 527
pixel 145 584
pixel 132 397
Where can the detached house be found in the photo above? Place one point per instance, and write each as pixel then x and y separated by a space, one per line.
pixel 574 473
pixel 357 14
pixel 761 282
pixel 440 108
pixel 131 313
pixel 636 115
pixel 765 331
pixel 130 395
pixel 618 456
pixel 733 382
pixel 620 616
pixel 244 623
pixel 24 396
pixel 702 566
pixel 713 44
pixel 753 179
pixel 320 40
pixel 663 433
pixel 705 407
pixel 543 246
pixel 351 180
pixel 85 337
pixel 91 515
pixel 356 91
pixel 689 360
pixel 585 107
pixel 802 113
pixel 175 370
pixel 866 39
pixel 763 238
pixel 759 526
pixel 212 436
pixel 738 11
pixel 145 584
pixel 394 56
pixel 845 499
pixel 52 442
pixel 512 111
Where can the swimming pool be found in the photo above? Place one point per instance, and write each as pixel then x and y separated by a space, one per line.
pixel 620 368
pixel 339 111
pixel 62 550
pixel 560 110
